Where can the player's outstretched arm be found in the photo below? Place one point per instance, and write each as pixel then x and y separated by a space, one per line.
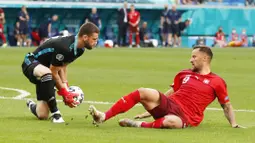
pixel 169 92
pixel 230 115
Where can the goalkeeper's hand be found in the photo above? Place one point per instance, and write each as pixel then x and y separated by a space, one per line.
pixel 68 97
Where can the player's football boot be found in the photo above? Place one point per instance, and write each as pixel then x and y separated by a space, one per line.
pixel 129 123
pixel 57 118
pixel 98 116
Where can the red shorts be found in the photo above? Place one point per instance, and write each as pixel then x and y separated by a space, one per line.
pixel 168 107
pixel 133 29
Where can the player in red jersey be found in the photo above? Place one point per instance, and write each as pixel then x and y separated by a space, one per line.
pixel 2 21
pixel 133 21
pixel 183 104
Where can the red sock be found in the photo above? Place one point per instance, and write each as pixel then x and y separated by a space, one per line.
pixel 155 124
pixel 130 37
pixel 3 37
pixel 137 38
pixel 123 104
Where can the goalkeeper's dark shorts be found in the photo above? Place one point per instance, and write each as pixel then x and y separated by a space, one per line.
pixel 28 66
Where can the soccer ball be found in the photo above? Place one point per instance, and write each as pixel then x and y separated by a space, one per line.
pixel 76 89
pixel 108 44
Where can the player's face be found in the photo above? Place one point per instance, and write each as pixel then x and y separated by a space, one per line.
pixel 132 8
pixel 91 41
pixel 197 60
pixel 125 5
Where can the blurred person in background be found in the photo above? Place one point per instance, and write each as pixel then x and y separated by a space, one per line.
pixel 244 38
pixel 175 18
pixel 23 17
pixel 233 36
pixel 165 26
pixel 45 28
pixel 122 25
pixel 35 37
pixel 94 18
pixel 250 2
pixel 17 33
pixel 134 19
pixel 182 26
pixel 2 22
pixel 236 42
pixel 146 38
pixel 219 39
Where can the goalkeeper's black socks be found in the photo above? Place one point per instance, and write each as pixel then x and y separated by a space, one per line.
pixel 52 103
pixel 33 109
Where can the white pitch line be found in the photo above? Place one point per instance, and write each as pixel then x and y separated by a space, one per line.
pixel 24 94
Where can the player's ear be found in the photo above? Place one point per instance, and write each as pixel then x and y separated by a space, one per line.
pixel 85 37
pixel 206 58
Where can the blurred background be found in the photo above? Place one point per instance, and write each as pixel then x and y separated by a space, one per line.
pixel 163 23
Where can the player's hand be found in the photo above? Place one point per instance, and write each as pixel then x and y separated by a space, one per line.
pixel 138 116
pixel 238 126
pixel 68 97
pixel 69 101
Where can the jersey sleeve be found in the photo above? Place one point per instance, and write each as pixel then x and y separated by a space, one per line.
pixel 221 91
pixel 177 82
pixel 138 13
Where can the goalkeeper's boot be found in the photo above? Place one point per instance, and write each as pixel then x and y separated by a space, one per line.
pixel 98 116
pixel 56 117
pixel 129 123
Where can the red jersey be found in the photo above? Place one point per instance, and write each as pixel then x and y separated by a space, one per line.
pixel 1 10
pixel 133 16
pixel 219 36
pixel 194 92
pixel 234 37
pixel 244 38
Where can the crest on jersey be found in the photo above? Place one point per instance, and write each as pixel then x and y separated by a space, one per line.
pixel 60 57
pixel 206 81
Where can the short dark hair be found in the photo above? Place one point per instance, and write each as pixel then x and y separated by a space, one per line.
pixel 204 49
pixel 88 28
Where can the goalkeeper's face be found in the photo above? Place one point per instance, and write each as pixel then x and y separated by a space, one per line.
pixel 90 41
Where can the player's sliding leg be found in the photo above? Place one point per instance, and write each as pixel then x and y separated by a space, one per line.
pixel 45 96
pixel 169 122
pixel 150 99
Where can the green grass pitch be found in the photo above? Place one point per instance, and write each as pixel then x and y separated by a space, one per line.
pixel 106 75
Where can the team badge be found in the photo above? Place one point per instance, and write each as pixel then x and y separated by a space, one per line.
pixel 60 57
pixel 206 81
